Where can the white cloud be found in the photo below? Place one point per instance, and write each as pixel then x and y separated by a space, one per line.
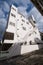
pixel 1 14
pixel 38 17
pixel 22 10
pixel 35 13
pixel 6 7
pixel 3 22
pixel 24 2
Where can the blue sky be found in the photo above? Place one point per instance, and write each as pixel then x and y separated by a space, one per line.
pixel 24 6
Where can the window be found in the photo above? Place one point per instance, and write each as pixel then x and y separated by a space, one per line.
pixel 17 35
pixel 30 34
pixel 17 29
pixel 30 42
pixel 21 23
pixel 13 9
pixel 34 21
pixel 27 23
pixel 24 28
pixel 23 20
pixel 17 19
pixel 11 23
pixel 21 44
pixel 25 42
pixel 13 15
pixel 21 16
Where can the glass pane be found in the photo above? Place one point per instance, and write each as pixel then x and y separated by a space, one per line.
pixel 41 2
pixel 39 5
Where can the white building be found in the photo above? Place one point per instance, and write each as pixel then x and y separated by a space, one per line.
pixel 25 33
pixel 21 27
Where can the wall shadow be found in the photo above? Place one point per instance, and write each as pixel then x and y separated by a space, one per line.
pixel 41 43
pixel 15 49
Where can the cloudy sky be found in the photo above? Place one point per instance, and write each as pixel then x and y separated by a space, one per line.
pixel 24 6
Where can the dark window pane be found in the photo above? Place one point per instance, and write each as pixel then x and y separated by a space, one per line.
pixel 39 5
pixel 41 2
pixel 23 20
pixel 9 36
pixel 13 15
